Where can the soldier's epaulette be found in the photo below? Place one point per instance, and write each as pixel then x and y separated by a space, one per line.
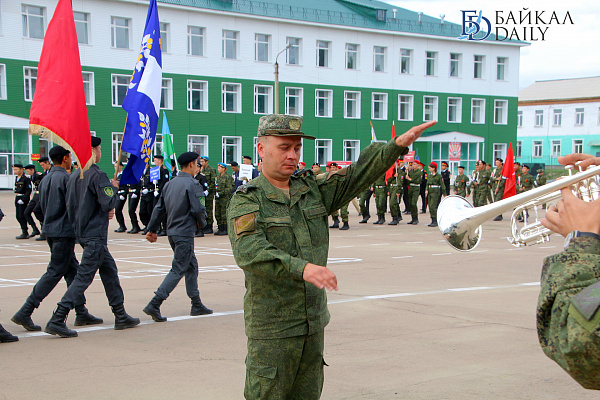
pixel 245 188
pixel 303 173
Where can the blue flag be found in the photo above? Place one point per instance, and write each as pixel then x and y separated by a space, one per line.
pixel 142 101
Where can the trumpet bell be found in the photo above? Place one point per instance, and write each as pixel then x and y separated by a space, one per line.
pixel 454 215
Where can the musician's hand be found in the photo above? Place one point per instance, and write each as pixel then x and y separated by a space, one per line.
pixel 572 213
pixel 586 160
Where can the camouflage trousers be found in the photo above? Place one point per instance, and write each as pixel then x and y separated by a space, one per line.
pixel 381 199
pixel 364 202
pixel 285 369
pixel 209 208
pixel 413 195
pixel 433 198
pixel 395 197
pixel 461 193
pixel 343 211
pixel 221 204
pixel 480 197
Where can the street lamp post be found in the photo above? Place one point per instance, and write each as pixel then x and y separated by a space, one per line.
pixel 277 79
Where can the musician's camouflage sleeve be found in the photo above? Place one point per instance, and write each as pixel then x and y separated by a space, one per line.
pixel 568 319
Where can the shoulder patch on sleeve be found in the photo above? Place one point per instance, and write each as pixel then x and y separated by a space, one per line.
pixel 108 190
pixel 245 224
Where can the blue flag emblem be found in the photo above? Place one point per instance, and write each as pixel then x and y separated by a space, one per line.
pixel 142 101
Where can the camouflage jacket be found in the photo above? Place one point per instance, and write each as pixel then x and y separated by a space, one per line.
pixel 496 180
pixel 211 175
pixel 224 186
pixel 568 316
pixel 380 183
pixel 461 182
pixel 540 180
pixel 435 184
pixel 274 236
pixel 482 178
pixel 398 181
pixel 415 175
pixel 526 182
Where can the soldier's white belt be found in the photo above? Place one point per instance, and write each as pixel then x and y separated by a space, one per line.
pixel 435 186
pixel 415 184
pixel 380 187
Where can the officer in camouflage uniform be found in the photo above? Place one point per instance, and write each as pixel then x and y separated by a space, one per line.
pixel 414 190
pixel 526 181
pixel 380 190
pixel 211 177
pixel 480 184
pixel 279 236
pixel 461 183
pixel 436 188
pixel 395 184
pixel 223 191
pixel 498 184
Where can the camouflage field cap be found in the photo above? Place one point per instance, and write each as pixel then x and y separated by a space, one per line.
pixel 281 125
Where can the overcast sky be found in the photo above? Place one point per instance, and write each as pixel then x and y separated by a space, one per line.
pixel 569 51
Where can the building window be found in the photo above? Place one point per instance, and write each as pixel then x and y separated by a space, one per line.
pixel 577 146
pixel 579 116
pixel 2 82
pixel 119 32
pixel 263 103
pixel 351 150
pixel 351 104
pixel 499 150
pixel 478 67
pixel 379 58
pixel 539 117
pixel 379 106
pixel 501 67
pixel 158 144
pixel 478 111
pixel 198 144
pixel 556 148
pixel 164 37
pixel 33 21
pixel 230 45
pixel 519 148
pixel 454 109
pixel 293 53
pixel 30 80
pixel 232 149
pixel 197 95
pixel 293 101
pixel 519 119
pixel 430 108
pixel 166 97
pixel 455 65
pixel 351 56
pixel 405 107
pixel 405 61
pixel 88 87
pixel 323 103
pixel 323 53
pixel 322 151
pixel 537 148
pixel 557 117
pixel 120 84
pixel 261 47
pixel 500 112
pixel 430 66
pixel 195 41
pixel 231 97
pixel 116 139
pixel 82 22
pixel 255 156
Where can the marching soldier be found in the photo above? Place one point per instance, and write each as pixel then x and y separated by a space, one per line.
pixel 436 188
pixel 211 176
pixel 489 197
pixel 158 187
pixel 498 184
pixel 6 336
pixel 22 192
pixel 364 202
pixel 423 187
pixel 204 185
pixel 480 184
pixel 343 211
pixel 414 179
pixel 380 190
pixel 518 174
pixel 540 179
pixel 36 178
pixel 223 191
pixel 121 200
pixel 147 199
pixel 526 181
pixel 461 183
pixel 395 184
pixel 445 173
pixel 132 205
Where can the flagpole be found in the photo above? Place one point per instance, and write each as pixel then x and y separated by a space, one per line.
pixel 120 149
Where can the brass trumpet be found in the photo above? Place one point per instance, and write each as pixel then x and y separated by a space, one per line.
pixel 460 223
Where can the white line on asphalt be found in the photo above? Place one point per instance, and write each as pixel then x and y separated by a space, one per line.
pixel 403 257
pixel 379 244
pixel 441 254
pixel 365 235
pixel 477 251
pixel 413 242
pixel 547 247
pixel 516 249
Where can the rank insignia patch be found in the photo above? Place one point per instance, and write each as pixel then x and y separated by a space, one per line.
pixel 245 224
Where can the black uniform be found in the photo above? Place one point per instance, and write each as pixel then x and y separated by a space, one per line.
pixel 159 185
pixel 147 198
pixel 121 199
pixel 423 188
pixel 22 192
pixel 446 178
pixel 132 205
pixel 405 196
pixel 32 206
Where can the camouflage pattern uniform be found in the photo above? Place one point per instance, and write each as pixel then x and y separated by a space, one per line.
pixel 414 190
pixel 435 188
pixel 211 175
pixel 274 234
pixel 498 183
pixel 481 190
pixel 380 190
pixel 540 180
pixel 395 190
pixel 461 185
pixel 568 316
pixel 343 212
pixel 224 188
pixel 526 183
pixel 364 201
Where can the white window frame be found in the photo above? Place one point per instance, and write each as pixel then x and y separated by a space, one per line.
pixel 166 97
pixel 268 101
pixel 83 26
pixel 406 57
pixel 478 63
pixel 255 156
pixel 27 16
pixel 190 40
pixel 431 63
pixel 300 102
pixel 379 52
pixel 323 54
pixel 347 98
pixel 520 119
pixel 481 111
pixel 502 107
pixel 89 92
pixel 352 145
pixel 116 138
pixel 409 104
pixel 501 66
pixel 577 145
pixel 295 49
pixel 384 103
pixel 356 54
pixel 328 99
pixel 165 36
pixel 434 108
pixel 260 44
pixel 557 117
pixel 114 29
pixel 579 116
pixel 3 89
pixel 237 147
pixel 458 106
pixel 555 147
pixel 519 149
pixel 539 118
pixel 326 144
pixel 238 99
pixel 192 145
pixel 203 93
pixel 538 149
pixel 500 150
pixel 29 82
pixel 227 42
pixel 114 86
pixel 458 62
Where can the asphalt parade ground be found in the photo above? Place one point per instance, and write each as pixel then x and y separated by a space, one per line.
pixel 413 319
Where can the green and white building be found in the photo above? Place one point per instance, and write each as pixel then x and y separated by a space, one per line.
pixel 349 62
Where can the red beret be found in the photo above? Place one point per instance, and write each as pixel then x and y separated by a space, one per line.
pixel 433 164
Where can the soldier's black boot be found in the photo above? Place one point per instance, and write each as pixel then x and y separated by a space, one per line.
pixel 121 229
pixel 83 317
pixel 433 222
pixel 122 319
pixel 135 229
pixel 153 309
pixel 415 221
pixel 208 229
pixel 220 231
pixel 394 221
pixel 42 238
pixel 380 219
pixel 336 223
pixel 345 227
pixel 23 235
pixel 198 308
pixel 498 218
pixel 57 324
pixel 6 336
pixel 199 233
pixel 365 219
pixel 34 232
pixel 23 317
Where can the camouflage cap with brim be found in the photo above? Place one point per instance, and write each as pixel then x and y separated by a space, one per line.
pixel 281 125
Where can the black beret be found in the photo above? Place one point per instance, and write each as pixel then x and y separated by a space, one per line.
pixel 234 164
pixel 30 166
pixel 159 156
pixel 96 141
pixel 43 159
pixel 18 165
pixel 187 157
pixel 57 151
pixel 525 166
pixel 461 166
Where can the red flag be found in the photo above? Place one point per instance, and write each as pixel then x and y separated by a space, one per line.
pixel 58 111
pixel 508 174
pixel 390 172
